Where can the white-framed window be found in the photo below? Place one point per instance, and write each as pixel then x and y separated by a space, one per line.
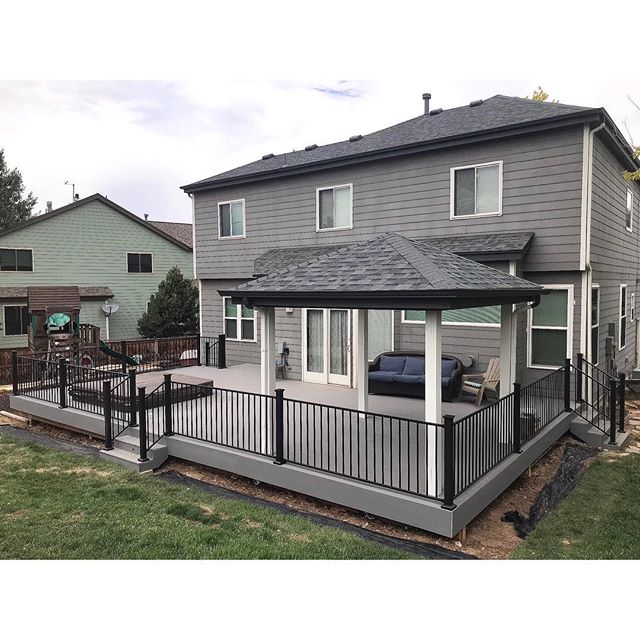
pixel 550 333
pixel 632 307
pixel 139 262
pixel 476 316
pixel 231 219
pixel 239 322
pixel 622 324
pixel 628 214
pixel 16 259
pixel 16 320
pixel 476 190
pixel 595 323
pixel 334 207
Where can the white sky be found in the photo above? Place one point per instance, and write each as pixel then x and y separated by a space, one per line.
pixel 87 114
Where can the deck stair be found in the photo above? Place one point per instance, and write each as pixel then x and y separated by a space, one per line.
pixel 583 428
pixel 126 451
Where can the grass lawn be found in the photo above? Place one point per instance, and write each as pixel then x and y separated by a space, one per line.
pixel 61 505
pixel 599 519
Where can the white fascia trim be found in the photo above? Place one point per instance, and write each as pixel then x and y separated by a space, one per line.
pixel 193 234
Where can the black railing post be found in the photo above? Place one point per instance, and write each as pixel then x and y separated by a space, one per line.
pixel 612 411
pixel 14 372
pixel 62 382
pixel 142 423
pixel 449 471
pixel 207 353
pixel 168 418
pixel 123 351
pixel 133 390
pixel 198 347
pixel 222 352
pixel 279 427
pixel 567 384
pixel 108 426
pixel 622 381
pixel 579 366
pixel 516 418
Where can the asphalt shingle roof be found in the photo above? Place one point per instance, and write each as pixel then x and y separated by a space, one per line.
pixel 8 293
pixel 389 262
pixel 182 231
pixel 498 112
pixel 471 244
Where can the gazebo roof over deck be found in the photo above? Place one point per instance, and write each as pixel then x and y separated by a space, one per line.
pixel 388 272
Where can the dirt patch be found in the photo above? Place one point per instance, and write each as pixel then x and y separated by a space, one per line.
pixel 14 515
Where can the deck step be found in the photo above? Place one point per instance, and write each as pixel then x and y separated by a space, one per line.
pixel 585 431
pixel 126 452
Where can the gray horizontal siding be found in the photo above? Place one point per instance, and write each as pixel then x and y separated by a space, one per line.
pixel 614 250
pixel 542 193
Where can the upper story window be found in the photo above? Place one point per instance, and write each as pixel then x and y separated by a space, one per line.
pixel 231 219
pixel 476 190
pixel 479 316
pixel 139 262
pixel 16 320
pixel 595 323
pixel 628 214
pixel 334 207
pixel 16 260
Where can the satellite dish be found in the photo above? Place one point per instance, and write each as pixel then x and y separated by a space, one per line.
pixel 110 308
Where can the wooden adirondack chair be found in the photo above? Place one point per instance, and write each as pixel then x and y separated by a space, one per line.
pixel 478 383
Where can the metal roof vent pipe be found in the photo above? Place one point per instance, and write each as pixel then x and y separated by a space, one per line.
pixel 426 97
pixel 49 206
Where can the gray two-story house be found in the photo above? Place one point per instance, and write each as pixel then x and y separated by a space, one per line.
pixel 534 189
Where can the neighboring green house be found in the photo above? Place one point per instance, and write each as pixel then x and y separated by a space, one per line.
pixel 111 254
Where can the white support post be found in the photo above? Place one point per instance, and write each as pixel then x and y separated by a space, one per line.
pixel 507 349
pixel 433 396
pixel 362 358
pixel 267 374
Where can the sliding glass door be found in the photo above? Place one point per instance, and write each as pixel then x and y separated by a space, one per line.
pixel 327 336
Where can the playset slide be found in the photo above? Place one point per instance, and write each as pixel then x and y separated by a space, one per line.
pixel 117 355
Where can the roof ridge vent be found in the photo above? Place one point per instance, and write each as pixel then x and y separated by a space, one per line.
pixel 266 156
pixel 355 138
pixel 311 147
pixel 435 112
pixel 476 103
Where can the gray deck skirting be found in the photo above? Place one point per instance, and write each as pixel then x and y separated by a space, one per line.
pixel 416 511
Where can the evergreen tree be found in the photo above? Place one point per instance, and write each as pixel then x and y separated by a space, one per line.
pixel 173 310
pixel 15 205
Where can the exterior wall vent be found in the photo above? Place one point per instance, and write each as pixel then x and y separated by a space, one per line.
pixel 311 147
pixel 435 112
pixel 476 103
pixel 266 156
pixel 355 138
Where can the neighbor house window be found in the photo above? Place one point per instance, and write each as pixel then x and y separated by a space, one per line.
pixel 476 190
pixel 479 316
pixel 16 260
pixel 622 326
pixel 16 320
pixel 628 214
pixel 595 323
pixel 239 322
pixel 139 263
pixel 334 208
pixel 231 219
pixel 549 339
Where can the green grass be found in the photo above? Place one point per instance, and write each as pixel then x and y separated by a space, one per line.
pixel 61 505
pixel 599 519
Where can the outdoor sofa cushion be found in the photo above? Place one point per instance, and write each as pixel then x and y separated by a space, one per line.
pixel 392 363
pixel 414 366
pixel 383 376
pixel 408 378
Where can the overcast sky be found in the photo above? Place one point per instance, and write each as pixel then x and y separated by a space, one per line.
pixel 280 83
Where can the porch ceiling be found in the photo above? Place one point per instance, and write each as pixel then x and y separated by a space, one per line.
pixel 388 272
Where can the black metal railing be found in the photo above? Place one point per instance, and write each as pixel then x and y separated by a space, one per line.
pixel 151 417
pixel 36 378
pixel 393 452
pixel 238 419
pixel 541 402
pixel 82 387
pixel 213 352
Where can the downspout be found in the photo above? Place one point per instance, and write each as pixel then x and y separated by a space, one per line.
pixel 585 244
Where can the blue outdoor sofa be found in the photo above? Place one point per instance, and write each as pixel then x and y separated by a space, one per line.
pixel 401 373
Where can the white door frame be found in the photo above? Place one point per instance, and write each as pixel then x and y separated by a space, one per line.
pixel 325 377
